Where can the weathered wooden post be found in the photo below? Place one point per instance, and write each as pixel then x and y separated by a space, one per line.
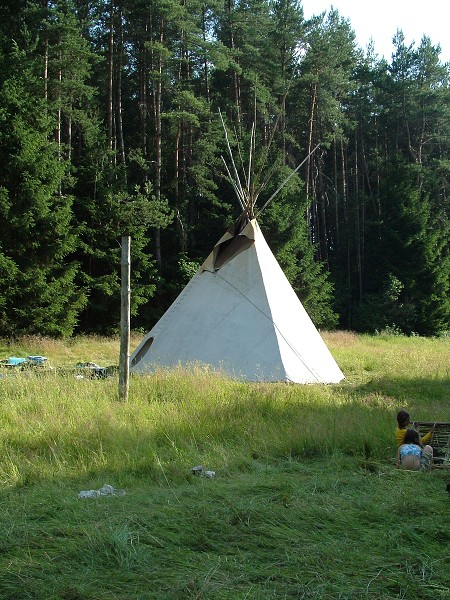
pixel 124 358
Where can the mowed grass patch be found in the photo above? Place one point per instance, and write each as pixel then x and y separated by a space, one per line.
pixel 306 502
pixel 294 529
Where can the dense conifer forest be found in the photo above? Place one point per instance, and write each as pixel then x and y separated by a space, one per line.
pixel 109 125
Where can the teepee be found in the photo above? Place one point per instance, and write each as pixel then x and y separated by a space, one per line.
pixel 240 315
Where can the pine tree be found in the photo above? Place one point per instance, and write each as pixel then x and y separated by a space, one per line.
pixel 409 266
pixel 40 294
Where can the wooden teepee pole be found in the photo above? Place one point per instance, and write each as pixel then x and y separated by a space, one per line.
pixel 237 181
pixel 125 295
pixel 278 190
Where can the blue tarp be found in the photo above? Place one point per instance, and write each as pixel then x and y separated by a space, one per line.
pixel 39 360
pixel 14 361
pixel 17 361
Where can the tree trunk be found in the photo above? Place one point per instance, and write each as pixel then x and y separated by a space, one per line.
pixel 236 82
pixel 143 97
pixel 69 131
pixel 358 235
pixel 310 136
pixel 158 134
pixel 119 115
pixel 312 208
pixel 45 73
pixel 110 108
pixel 124 357
pixel 205 62
pixel 336 194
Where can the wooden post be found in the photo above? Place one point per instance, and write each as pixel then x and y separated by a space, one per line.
pixel 124 358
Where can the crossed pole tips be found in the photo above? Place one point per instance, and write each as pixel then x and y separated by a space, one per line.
pixel 248 195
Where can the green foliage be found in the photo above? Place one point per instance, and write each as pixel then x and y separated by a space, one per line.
pixel 385 309
pixel 143 209
pixel 413 293
pixel 188 268
pixel 40 293
pixel 108 124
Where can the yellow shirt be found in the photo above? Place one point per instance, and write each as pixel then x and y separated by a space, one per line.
pixel 400 436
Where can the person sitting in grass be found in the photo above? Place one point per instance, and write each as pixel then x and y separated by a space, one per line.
pixel 403 420
pixel 411 455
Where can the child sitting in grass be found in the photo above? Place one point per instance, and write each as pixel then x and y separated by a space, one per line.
pixel 403 420
pixel 411 456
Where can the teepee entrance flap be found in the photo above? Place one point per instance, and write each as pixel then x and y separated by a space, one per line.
pixel 238 237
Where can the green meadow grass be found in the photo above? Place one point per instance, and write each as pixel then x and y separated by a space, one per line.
pixel 306 501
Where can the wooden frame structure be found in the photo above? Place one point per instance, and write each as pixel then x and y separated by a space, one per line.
pixel 440 441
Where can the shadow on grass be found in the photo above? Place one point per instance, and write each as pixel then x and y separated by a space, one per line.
pixel 421 392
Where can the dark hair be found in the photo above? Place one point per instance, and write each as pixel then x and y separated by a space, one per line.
pixel 412 437
pixel 403 419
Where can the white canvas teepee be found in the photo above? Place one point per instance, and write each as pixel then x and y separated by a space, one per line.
pixel 240 314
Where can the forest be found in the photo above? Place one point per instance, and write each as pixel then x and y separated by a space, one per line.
pixel 110 125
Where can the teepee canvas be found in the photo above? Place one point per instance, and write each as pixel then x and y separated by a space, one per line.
pixel 240 315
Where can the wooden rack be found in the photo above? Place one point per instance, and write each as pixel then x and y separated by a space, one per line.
pixel 440 441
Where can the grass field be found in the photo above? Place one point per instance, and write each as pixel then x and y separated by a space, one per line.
pixel 306 501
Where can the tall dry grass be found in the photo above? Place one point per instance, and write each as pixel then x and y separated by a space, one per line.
pixel 55 425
